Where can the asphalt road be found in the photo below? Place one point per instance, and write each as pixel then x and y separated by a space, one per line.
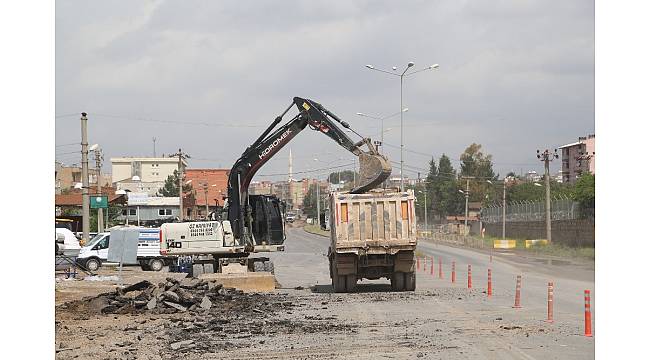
pixel 440 319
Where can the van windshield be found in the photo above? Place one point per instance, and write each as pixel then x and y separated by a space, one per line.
pixel 95 240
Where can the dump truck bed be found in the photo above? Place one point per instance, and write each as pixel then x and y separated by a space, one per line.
pixel 373 222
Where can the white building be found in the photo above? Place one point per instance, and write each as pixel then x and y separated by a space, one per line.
pixel 149 169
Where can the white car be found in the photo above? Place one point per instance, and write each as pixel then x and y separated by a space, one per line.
pixel 95 254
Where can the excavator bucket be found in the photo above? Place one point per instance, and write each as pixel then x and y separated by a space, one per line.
pixel 374 169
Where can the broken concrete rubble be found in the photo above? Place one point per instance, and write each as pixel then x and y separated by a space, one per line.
pixel 168 297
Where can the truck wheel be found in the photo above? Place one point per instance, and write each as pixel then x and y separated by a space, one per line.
pixel 269 267
pixel 350 282
pixel 258 266
pixel 409 280
pixel 338 282
pixel 197 269
pixel 397 281
pixel 93 264
pixel 156 264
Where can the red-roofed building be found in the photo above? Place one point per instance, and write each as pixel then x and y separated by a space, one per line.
pixel 215 181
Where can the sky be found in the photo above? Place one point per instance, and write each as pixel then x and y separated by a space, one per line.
pixel 209 76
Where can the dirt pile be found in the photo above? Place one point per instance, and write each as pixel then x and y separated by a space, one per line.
pixel 173 296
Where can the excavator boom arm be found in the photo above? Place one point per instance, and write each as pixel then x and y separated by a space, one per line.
pixel 374 167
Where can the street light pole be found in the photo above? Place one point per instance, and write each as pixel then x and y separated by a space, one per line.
pixel 401 107
pixel 85 199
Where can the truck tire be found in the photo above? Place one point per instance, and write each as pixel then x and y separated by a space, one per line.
pixel 93 264
pixel 269 267
pixel 338 282
pixel 197 269
pixel 409 281
pixel 350 282
pixel 397 281
pixel 156 264
pixel 258 266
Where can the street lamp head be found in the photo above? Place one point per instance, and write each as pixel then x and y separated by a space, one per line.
pixel 370 66
pixel 120 192
pixel 489 182
pixel 405 110
pixel 93 147
pixel 135 178
pixel 461 191
pixel 434 66
pixel 537 184
pixel 394 68
pixel 410 64
pixel 188 181
pixel 78 185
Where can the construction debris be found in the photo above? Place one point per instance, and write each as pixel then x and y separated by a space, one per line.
pixel 167 297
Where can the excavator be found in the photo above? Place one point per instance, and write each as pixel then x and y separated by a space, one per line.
pixel 255 223
pixel 256 219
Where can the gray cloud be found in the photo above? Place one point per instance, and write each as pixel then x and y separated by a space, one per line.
pixel 514 75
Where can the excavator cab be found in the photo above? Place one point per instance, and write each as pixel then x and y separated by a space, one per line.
pixel 267 219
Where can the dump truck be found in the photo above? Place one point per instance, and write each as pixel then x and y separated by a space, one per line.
pixel 373 236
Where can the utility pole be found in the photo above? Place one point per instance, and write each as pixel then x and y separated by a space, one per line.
pixel 154 146
pixel 100 211
pixel 207 209
pixel 318 201
pixel 503 229
pixel 547 157
pixel 181 155
pixel 466 192
pixel 85 199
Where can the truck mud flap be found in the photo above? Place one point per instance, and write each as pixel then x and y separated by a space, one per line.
pixel 405 261
pixel 345 265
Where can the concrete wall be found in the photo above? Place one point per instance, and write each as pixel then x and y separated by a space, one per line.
pixel 579 232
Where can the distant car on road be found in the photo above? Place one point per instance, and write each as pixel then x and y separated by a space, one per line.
pixel 291 217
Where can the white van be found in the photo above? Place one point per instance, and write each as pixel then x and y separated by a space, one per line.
pixel 95 254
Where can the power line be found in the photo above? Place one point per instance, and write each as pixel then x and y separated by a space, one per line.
pixel 74 143
pixel 308 171
pixel 177 122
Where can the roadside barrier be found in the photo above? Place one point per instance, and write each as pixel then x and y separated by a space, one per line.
pixel 440 268
pixel 432 267
pixel 518 293
pixel 489 287
pixel 424 266
pixel 588 314
pixel 453 272
pixel 549 317
pixel 417 262
pixel 469 276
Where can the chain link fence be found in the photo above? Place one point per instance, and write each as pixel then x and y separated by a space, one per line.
pixel 561 209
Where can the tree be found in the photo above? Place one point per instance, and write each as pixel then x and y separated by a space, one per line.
pixel 170 189
pixel 475 163
pixel 347 176
pixel 309 202
pixel 584 191
pixel 446 199
pixel 478 165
